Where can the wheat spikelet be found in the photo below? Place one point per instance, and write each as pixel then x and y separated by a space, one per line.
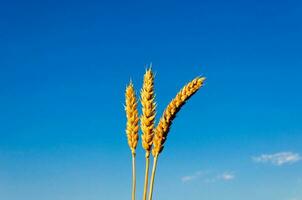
pixel 132 117
pixel 170 112
pixel 148 111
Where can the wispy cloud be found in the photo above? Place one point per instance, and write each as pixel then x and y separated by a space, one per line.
pixel 293 199
pixel 227 176
pixel 194 176
pixel 278 159
pixel 209 177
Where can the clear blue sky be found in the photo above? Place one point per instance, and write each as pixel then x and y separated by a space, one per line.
pixel 64 66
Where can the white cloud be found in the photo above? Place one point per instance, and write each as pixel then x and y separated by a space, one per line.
pixel 278 159
pixel 194 176
pixel 209 177
pixel 294 199
pixel 227 176
pixel 187 178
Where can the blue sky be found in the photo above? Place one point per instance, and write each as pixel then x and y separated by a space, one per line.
pixel 64 66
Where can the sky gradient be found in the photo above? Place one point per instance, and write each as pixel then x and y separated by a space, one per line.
pixel 64 66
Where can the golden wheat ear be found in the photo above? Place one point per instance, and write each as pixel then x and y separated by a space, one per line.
pixel 163 127
pixel 132 128
pixel 148 111
pixel 147 120
pixel 132 117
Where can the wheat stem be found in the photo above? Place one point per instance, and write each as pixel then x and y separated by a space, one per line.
pixel 146 176
pixel 133 176
pixel 152 177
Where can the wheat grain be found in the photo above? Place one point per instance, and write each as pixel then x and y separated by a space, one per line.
pixel 170 112
pixel 132 117
pixel 148 111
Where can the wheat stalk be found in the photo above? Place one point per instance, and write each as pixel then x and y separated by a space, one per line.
pixel 165 122
pixel 132 128
pixel 147 120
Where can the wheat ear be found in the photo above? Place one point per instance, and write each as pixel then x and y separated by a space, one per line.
pixel 165 122
pixel 132 128
pixel 147 120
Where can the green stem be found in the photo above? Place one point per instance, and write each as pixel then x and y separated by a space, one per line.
pixel 152 177
pixel 133 176
pixel 146 175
